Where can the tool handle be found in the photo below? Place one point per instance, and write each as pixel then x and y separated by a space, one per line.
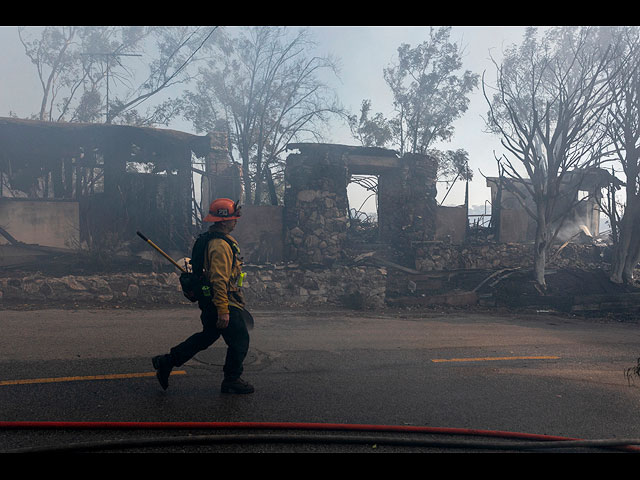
pixel 161 252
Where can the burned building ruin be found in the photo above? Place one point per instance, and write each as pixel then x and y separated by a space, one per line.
pixel 68 187
pixel 316 203
pixel 579 208
pixel 68 184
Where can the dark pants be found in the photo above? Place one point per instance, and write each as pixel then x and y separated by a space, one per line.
pixel 235 336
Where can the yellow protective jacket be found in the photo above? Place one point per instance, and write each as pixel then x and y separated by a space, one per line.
pixel 223 274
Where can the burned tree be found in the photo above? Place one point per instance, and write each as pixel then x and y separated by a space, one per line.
pixel 549 97
pixel 623 129
pixel 269 93
pixel 84 73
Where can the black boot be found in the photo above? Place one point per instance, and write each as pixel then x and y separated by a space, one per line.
pixel 163 366
pixel 236 386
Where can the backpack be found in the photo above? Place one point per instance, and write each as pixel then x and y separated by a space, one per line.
pixel 195 285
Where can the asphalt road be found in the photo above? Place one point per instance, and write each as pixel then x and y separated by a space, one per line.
pixel 531 374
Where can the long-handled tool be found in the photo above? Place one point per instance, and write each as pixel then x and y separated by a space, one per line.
pixel 246 315
pixel 161 252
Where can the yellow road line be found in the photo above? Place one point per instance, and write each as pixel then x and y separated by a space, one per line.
pixel 89 377
pixel 490 359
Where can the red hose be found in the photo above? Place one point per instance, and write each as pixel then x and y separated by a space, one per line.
pixel 280 425
pixel 283 425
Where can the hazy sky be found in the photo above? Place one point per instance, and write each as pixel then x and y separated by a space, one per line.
pixel 363 52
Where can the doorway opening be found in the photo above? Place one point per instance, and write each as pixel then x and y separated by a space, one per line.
pixel 362 196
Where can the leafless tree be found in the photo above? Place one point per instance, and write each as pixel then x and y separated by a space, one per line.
pixel 93 74
pixel 549 97
pixel 267 88
pixel 623 128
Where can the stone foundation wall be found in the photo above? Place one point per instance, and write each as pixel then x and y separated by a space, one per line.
pixel 444 256
pixel 359 287
pixel 281 285
pixel 38 289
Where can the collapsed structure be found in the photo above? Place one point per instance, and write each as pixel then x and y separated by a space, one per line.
pixel 316 202
pixel 581 194
pixel 78 187
pixel 64 184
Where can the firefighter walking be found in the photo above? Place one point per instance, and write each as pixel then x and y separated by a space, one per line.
pixel 222 312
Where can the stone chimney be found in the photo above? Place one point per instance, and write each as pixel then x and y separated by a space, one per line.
pixel 223 176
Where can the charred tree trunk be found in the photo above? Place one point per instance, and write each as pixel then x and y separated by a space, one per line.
pixel 625 254
pixel 540 249
pixel 273 196
pixel 633 255
pixel 248 186
pixel 627 251
pixel 622 247
pixel 260 174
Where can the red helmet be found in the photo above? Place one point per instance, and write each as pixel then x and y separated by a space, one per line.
pixel 223 209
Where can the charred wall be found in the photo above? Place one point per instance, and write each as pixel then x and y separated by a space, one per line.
pixel 54 223
pixel 124 178
pixel 315 207
pixel 407 209
pixel 316 219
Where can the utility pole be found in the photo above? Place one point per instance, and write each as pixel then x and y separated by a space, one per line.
pixel 110 55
